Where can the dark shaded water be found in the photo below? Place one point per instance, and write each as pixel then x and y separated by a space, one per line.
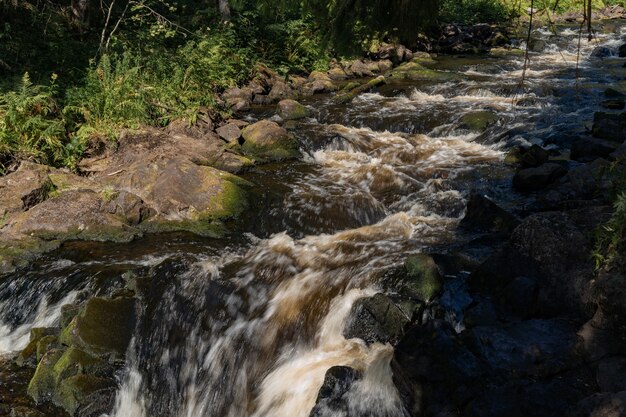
pixel 248 325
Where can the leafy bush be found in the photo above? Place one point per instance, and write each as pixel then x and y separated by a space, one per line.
pixel 474 11
pixel 32 126
pixel 611 238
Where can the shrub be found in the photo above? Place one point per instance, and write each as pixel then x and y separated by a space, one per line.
pixel 32 126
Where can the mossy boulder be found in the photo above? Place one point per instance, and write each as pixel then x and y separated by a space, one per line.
pixel 43 383
pixel 180 191
pixel 291 110
pixel 478 121
pixel 103 327
pixel 348 96
pixel 423 279
pixel 267 141
pixel 77 391
pixel 376 319
pixel 45 344
pixel 30 352
pixel 415 71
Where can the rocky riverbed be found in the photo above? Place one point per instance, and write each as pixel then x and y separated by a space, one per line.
pixel 412 236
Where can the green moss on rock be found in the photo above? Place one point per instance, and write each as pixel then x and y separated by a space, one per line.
pixel 478 121
pixel 266 142
pixel 423 278
pixel 43 383
pixel 415 71
pixel 104 326
pixel 75 392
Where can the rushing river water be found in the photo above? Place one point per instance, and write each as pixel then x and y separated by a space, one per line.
pixel 249 325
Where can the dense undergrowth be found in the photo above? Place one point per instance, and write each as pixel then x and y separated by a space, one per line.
pixel 148 62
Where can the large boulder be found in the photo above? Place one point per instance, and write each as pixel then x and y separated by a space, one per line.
pixel 95 216
pixel 532 179
pixel 103 327
pixel 610 126
pixel 484 214
pixel 331 399
pixel 24 188
pixel 181 191
pixel 376 319
pixel 423 280
pixel 415 71
pixel 291 110
pixel 588 149
pixel 601 405
pixel 267 141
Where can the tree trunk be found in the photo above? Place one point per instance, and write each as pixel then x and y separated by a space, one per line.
pixel 224 10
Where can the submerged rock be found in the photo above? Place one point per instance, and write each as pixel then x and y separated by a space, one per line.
pixel 267 141
pixel 478 121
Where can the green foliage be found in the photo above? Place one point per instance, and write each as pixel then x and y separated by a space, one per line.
pixel 611 238
pixel 475 11
pixel 32 126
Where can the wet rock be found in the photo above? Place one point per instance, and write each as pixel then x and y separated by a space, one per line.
pixel 534 156
pixel 611 373
pixel 415 71
pixel 622 51
pixel 536 348
pixel 43 384
pixel 423 279
pixel 532 179
pixel 601 405
pixel 528 397
pixel 548 247
pixel 24 188
pixel 104 326
pixel 613 93
pixel 478 121
pixel 268 141
pixel 587 181
pixel 30 353
pixel 588 149
pixel 359 89
pixel 613 104
pixel 330 399
pixel 25 412
pixel 78 391
pixel 483 214
pixel 229 132
pixel 609 126
pixel 376 319
pixel 291 110
pixel 433 353
pixel 601 52
pixel 537 45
